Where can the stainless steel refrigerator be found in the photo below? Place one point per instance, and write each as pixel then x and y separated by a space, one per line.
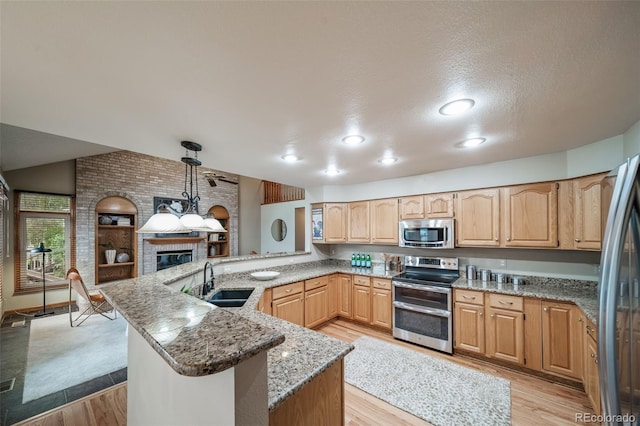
pixel 619 297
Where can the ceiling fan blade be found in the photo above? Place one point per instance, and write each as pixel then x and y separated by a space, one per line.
pixel 228 181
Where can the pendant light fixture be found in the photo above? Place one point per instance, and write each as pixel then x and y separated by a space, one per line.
pixel 165 222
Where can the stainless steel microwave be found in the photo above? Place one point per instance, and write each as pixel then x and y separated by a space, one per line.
pixel 434 233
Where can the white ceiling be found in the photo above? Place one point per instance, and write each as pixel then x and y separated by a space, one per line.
pixel 252 80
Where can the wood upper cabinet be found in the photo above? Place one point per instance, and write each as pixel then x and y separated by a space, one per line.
pixel 335 222
pixel 290 308
pixel 345 296
pixel 469 327
pixel 561 338
pixel 316 306
pixel 478 218
pixel 412 207
pixel 362 299
pixel 587 215
pixel 358 222
pixel 530 217
pixel 384 221
pixel 333 290
pixel 381 303
pixel 438 205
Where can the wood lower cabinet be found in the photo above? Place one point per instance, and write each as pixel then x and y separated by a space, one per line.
pixel 358 222
pixel 505 335
pixel 345 296
pixel 561 338
pixel 478 218
pixel 468 324
pixel 590 367
pixel 384 221
pixel 288 302
pixel 530 216
pixel 381 303
pixel 411 207
pixel 316 306
pixel 362 299
pixel 333 289
pixel 438 205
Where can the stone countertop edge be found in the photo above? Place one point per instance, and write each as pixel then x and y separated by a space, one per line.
pixel 217 340
pixel 582 293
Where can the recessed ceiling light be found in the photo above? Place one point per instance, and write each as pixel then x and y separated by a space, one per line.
pixel 470 143
pixel 457 107
pixel 332 171
pixel 387 160
pixel 353 140
pixel 290 158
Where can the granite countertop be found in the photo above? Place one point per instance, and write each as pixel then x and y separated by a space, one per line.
pixel 583 293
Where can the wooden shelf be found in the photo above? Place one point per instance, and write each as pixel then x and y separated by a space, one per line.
pixel 110 265
pixel 183 240
pixel 115 226
pixel 216 242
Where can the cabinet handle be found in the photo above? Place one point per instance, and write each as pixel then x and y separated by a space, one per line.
pixel 288 291
pixel 593 355
pixel 595 360
pixel 508 239
pixel 480 313
pixel 545 309
pixel 580 320
pixel 496 238
pixel 493 315
pixel 468 297
pixel 505 303
pixel 577 240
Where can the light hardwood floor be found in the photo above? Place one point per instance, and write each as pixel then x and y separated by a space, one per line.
pixel 534 401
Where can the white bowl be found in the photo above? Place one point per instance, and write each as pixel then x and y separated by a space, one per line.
pixel 265 275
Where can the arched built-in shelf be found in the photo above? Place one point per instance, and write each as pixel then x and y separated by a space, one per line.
pixel 218 243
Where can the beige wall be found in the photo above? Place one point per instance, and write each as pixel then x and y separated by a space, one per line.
pixel 249 201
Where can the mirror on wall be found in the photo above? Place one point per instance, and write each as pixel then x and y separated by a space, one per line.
pixel 278 229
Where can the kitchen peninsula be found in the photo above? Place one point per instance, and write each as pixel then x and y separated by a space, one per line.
pixel 185 353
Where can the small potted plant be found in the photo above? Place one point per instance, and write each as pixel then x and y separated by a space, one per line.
pixel 109 253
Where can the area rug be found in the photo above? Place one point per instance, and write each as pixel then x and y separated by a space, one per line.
pixel 436 390
pixel 60 356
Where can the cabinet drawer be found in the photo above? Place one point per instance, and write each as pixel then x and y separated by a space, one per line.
pixel 360 280
pixel 287 290
pixel 501 301
pixel 315 283
pixel 469 296
pixel 382 283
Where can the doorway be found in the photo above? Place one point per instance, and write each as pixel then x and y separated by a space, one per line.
pixel 300 228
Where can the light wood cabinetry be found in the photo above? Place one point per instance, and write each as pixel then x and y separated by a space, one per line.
pixel 333 289
pixel 264 304
pixel 587 213
pixel 505 328
pixel 316 306
pixel 116 220
pixel 288 303
pixel 362 299
pixel 412 207
pixel 345 296
pixel 335 222
pixel 530 217
pixel 561 338
pixel 381 303
pixel 438 205
pixel 358 222
pixel 468 322
pixel 478 218
pixel 384 221
pixel 590 366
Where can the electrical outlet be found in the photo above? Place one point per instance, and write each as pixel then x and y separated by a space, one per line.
pixel 502 263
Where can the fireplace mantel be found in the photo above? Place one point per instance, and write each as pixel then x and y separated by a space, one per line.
pixel 169 240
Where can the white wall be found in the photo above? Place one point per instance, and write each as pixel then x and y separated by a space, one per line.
pixel 286 212
pixel 632 140
pixel 249 201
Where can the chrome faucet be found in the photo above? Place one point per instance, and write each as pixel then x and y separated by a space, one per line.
pixel 207 286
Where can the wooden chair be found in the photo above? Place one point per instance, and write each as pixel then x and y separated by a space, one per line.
pixel 97 304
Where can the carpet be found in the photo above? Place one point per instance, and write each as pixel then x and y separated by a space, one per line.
pixel 436 390
pixel 60 356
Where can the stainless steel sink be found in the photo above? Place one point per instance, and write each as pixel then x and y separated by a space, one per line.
pixel 230 298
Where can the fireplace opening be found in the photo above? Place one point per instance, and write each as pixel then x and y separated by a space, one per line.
pixel 167 259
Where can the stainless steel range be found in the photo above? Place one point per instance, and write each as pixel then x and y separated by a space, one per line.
pixel 422 302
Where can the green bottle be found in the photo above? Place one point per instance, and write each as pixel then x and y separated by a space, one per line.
pixel 358 260
pixel 368 261
pixel 353 259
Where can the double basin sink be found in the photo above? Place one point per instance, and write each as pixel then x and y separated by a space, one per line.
pixel 230 298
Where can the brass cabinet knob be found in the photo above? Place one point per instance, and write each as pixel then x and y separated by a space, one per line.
pixel 577 240
pixel 493 315
pixel 545 309
pixel 480 313
pixel 508 239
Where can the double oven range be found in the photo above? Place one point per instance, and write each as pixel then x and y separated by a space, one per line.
pixel 422 302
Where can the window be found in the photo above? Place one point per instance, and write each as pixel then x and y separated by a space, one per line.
pixel 48 219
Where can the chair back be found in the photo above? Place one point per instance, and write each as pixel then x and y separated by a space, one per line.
pixel 76 283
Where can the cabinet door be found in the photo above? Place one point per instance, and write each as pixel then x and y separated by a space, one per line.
pixel 505 335
pixel 315 307
pixel 335 223
pixel 381 308
pixel 438 205
pixel 358 219
pixel 332 296
pixel 345 294
pixel 384 221
pixel 530 216
pixel 412 207
pixel 469 327
pixel 290 308
pixel 478 218
pixel 587 226
pixel 560 339
pixel 362 303
pixel 591 379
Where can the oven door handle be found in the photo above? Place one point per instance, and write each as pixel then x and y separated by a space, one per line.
pixel 443 290
pixel 408 307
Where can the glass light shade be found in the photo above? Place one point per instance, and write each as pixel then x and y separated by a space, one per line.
pixel 165 223
pixel 214 224
pixel 193 221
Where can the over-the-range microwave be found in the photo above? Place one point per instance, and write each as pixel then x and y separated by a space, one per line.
pixel 430 233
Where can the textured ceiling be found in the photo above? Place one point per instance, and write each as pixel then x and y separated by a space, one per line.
pixel 251 81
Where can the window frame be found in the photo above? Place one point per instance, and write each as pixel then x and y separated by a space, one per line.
pixel 20 218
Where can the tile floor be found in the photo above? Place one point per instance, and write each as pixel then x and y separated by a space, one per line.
pixel 14 342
